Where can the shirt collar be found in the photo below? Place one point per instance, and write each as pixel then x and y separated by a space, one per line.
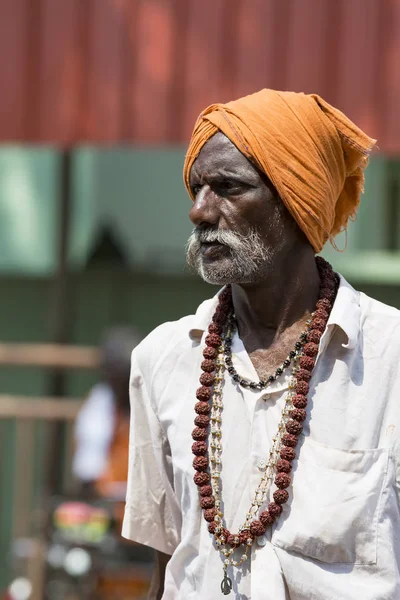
pixel 345 314
pixel 203 316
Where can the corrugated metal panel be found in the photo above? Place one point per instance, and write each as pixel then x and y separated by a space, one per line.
pixel 141 70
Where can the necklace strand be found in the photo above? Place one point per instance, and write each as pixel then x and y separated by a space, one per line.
pixel 265 382
pixel 215 450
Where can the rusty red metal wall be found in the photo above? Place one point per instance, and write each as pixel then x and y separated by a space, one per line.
pixel 108 71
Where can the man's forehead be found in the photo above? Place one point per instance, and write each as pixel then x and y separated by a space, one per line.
pixel 219 143
pixel 219 153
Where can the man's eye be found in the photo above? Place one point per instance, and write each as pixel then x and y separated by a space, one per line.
pixel 196 189
pixel 227 186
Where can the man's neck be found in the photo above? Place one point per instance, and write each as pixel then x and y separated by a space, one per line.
pixel 287 296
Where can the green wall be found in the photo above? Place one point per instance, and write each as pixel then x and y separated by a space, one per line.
pixel 138 194
pixel 98 298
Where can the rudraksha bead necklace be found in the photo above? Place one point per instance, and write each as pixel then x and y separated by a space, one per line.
pixel 207 434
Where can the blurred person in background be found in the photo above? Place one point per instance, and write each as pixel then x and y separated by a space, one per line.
pixel 102 426
pixel 287 487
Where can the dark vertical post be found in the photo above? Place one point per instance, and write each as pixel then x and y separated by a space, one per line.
pixel 60 318
pixel 393 208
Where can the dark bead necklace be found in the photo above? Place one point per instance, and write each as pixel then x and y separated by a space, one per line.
pixel 262 383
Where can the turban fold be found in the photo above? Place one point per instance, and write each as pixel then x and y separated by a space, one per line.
pixel 312 153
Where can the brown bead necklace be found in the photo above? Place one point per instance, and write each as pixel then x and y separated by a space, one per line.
pixel 208 421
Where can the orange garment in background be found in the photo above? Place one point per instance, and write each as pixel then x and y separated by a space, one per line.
pixel 115 474
pixel 312 153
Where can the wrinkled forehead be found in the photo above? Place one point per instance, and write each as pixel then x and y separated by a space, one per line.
pixel 220 154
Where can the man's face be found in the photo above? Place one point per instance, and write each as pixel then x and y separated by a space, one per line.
pixel 241 225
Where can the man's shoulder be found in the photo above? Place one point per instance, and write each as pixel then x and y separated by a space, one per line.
pixel 357 303
pixel 375 309
pixel 380 324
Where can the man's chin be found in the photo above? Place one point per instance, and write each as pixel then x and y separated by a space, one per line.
pixel 221 271
pixel 216 273
pixel 215 280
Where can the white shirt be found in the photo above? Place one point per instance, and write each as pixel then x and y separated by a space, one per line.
pixel 338 537
pixel 94 430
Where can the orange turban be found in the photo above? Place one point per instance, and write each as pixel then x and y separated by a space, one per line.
pixel 312 153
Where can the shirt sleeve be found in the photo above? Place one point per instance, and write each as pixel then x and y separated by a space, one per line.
pixel 152 513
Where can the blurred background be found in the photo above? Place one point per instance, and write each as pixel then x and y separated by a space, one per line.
pixel 98 99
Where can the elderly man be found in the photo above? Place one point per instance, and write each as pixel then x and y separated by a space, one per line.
pixel 287 485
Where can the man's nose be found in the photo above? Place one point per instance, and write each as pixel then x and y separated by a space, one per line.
pixel 204 210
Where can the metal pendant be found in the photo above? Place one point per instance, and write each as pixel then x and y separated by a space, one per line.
pixel 226 585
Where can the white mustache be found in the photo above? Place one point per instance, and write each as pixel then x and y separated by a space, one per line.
pixel 223 237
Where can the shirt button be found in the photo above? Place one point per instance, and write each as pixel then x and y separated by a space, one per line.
pixel 261 464
pixel 266 396
pixel 262 540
